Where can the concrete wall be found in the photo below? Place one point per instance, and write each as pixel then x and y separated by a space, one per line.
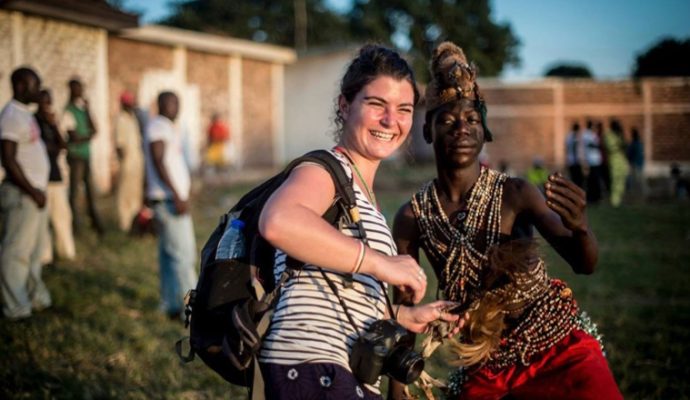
pixel 58 51
pixel 258 108
pixel 247 92
pixel 532 119
pixel 526 119
pixel 311 86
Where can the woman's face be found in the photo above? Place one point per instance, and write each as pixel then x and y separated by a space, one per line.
pixel 457 133
pixel 379 118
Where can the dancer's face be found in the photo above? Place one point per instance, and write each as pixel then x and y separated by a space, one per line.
pixel 457 133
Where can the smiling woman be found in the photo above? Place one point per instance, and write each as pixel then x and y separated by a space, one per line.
pixel 340 293
pixel 524 338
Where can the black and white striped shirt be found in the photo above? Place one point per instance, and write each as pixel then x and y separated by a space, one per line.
pixel 309 324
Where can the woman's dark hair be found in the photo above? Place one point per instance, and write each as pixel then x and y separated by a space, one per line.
pixel 372 62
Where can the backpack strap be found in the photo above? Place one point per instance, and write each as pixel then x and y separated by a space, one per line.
pixel 345 193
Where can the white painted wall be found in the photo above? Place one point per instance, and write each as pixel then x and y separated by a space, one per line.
pixel 311 85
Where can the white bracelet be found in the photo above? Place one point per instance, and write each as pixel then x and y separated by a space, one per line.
pixel 360 258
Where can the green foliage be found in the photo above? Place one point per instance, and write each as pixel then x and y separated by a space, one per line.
pixel 419 25
pixel 414 26
pixel 260 20
pixel 105 338
pixel 569 71
pixel 669 57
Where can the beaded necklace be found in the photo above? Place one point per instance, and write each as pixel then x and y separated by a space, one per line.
pixel 457 245
pixel 545 308
pixel 370 193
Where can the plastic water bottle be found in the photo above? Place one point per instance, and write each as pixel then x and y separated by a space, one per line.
pixel 231 244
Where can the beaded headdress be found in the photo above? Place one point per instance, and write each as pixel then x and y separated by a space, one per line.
pixel 452 79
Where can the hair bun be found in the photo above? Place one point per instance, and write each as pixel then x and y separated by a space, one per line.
pixel 453 77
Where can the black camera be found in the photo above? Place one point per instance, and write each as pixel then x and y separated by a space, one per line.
pixel 386 349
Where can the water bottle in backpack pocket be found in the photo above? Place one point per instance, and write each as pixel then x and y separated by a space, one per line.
pixel 231 244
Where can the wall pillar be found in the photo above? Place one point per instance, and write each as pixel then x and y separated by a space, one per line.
pixel 17 36
pixel 236 109
pixel 102 158
pixel 278 115
pixel 558 125
pixel 647 134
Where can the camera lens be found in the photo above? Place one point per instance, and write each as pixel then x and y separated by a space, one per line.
pixel 404 365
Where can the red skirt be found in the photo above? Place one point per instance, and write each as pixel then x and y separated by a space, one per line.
pixel 573 368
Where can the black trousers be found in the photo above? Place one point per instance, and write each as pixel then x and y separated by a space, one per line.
pixel 80 173
pixel 577 175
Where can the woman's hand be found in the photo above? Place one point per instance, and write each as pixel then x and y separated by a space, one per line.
pixel 418 318
pixel 568 201
pixel 401 271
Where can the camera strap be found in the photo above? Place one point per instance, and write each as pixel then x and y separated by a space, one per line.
pixel 334 288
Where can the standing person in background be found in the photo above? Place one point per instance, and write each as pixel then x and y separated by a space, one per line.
pixel 635 154
pixel 23 201
pixel 59 211
pixel 618 163
pixel 218 138
pixel 605 173
pixel 592 148
pixel 575 156
pixel 168 183
pixel 80 129
pixel 129 149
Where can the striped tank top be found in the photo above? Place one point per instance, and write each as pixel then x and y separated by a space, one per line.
pixel 309 324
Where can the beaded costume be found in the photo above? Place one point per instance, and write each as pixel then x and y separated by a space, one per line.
pixel 547 309
pixel 525 338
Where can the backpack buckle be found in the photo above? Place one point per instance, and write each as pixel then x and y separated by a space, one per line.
pixel 189 300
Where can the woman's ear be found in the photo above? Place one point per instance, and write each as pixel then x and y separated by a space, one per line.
pixel 426 132
pixel 343 106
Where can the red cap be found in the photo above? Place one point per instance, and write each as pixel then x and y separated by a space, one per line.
pixel 127 98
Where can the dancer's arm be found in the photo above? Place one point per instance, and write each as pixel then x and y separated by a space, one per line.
pixel 561 218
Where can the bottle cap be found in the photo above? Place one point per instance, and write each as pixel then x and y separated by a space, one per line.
pixel 237 223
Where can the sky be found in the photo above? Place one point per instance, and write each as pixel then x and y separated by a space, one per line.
pixel 604 35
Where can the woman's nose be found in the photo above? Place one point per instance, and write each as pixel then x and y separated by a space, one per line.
pixel 387 118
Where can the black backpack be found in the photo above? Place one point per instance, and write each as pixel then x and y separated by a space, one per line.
pixel 229 311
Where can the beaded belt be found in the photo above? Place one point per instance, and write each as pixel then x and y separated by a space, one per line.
pixel 549 319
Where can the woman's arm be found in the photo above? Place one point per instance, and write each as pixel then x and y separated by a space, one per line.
pixel 561 219
pixel 291 221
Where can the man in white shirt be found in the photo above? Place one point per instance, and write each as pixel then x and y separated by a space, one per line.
pixel 168 183
pixel 575 156
pixel 23 200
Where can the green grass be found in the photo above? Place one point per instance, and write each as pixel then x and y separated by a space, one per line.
pixel 104 337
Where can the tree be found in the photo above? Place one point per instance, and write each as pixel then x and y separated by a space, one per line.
pixel 669 57
pixel 271 21
pixel 566 70
pixel 416 26
pixel 412 26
